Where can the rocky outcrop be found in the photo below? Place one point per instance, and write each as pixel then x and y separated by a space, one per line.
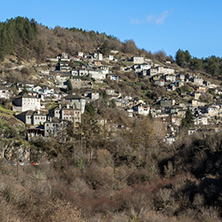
pixel 14 150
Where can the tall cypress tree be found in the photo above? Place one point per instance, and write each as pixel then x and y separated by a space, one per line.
pixel 188 120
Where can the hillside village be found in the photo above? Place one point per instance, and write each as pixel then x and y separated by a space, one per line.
pixel 74 82
pixel 95 129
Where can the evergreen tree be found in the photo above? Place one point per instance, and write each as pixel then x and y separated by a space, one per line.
pixel 180 57
pixel 69 87
pixel 187 121
pixel 90 109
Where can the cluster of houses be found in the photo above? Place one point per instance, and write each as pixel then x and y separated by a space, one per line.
pixel 31 106
pixel 47 122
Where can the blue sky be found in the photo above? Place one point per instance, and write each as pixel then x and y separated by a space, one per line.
pixel 153 25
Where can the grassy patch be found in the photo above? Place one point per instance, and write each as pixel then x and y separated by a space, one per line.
pixel 6 111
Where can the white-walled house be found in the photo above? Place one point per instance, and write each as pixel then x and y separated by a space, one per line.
pixel 97 75
pixel 141 109
pixel 138 59
pixel 5 92
pixel 26 102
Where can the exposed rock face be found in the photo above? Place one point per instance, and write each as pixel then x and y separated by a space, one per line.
pixel 14 150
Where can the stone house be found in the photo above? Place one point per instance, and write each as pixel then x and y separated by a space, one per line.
pixel 80 54
pixel 138 60
pixel 26 102
pixel 170 78
pixel 142 109
pixel 169 71
pixel 61 80
pixel 26 117
pixel 207 83
pixel 143 73
pixel 92 95
pixel 74 72
pixel 83 72
pixel 63 55
pixel 104 69
pixel 212 111
pixel 76 101
pixel 197 95
pixel 55 112
pixel 5 92
pixel 114 78
pixel 152 71
pixel 54 127
pixel 167 102
pixel 160 82
pixel 98 56
pixel 38 118
pixel 66 113
pixel 70 114
pixel 201 120
pixel 31 117
pixel 97 63
pixel 114 51
pixel 175 119
pixel 63 67
pixel 110 92
pixel 97 75
pixel 76 82
pixel 180 77
pixel 111 57
pixel 197 80
pixel 144 66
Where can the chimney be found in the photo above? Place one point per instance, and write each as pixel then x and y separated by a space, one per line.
pixel 67 106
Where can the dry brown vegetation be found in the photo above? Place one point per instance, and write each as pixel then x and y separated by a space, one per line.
pixel 130 177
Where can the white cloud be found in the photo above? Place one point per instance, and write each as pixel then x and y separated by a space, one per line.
pixel 155 19
pixel 135 21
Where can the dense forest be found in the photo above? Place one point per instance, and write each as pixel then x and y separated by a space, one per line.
pixel 211 65
pixel 17 35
